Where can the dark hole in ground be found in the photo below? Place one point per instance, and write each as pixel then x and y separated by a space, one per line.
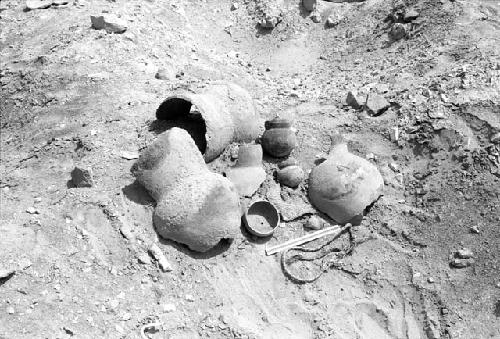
pixel 177 112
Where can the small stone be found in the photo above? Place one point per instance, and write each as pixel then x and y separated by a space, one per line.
pixel 234 6
pixel 314 223
pixel 474 229
pixel 68 331
pixel 316 17
pixel 309 5
pixel 397 32
pixel 354 100
pixel 168 308
pixel 333 20
pixel 165 74
pixel 10 310
pixel 189 298
pixel 38 4
pixel 410 15
pixel 394 133
pixel 157 253
pixel 109 22
pixel 495 138
pixel 393 166
pixel 376 104
pixel 464 253
pixel 32 210
pixel 461 263
pixel 129 155
pixel 290 176
pixel 143 258
pixel 126 316
pixel 59 2
pixel 82 177
pixel 430 280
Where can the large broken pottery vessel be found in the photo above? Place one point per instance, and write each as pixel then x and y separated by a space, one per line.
pixel 344 185
pixel 248 174
pixel 195 206
pixel 223 113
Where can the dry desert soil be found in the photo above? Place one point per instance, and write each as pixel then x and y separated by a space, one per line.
pixel 74 261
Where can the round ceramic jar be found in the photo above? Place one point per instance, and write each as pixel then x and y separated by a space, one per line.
pixel 279 138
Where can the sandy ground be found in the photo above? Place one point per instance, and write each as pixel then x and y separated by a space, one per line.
pixel 75 96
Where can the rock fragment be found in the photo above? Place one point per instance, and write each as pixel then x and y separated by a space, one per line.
pixel 495 138
pixel 165 74
pixel 316 17
pixel 376 104
pixel 314 223
pixel 32 210
pixel 393 166
pixel 474 229
pixel 108 22
pixel 394 133
pixel 397 32
pixel 464 253
pixel 333 20
pixel 168 308
pixel 410 15
pixel 38 4
pixel 270 12
pixel 129 155
pixel 461 263
pixel 82 177
pixel 309 5
pixel 157 253
pixel 143 258
pixel 355 100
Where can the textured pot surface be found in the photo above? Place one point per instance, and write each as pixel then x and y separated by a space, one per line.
pixel 170 158
pixel 249 155
pixel 202 210
pixel 248 174
pixel 344 185
pixel 194 206
pixel 227 111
